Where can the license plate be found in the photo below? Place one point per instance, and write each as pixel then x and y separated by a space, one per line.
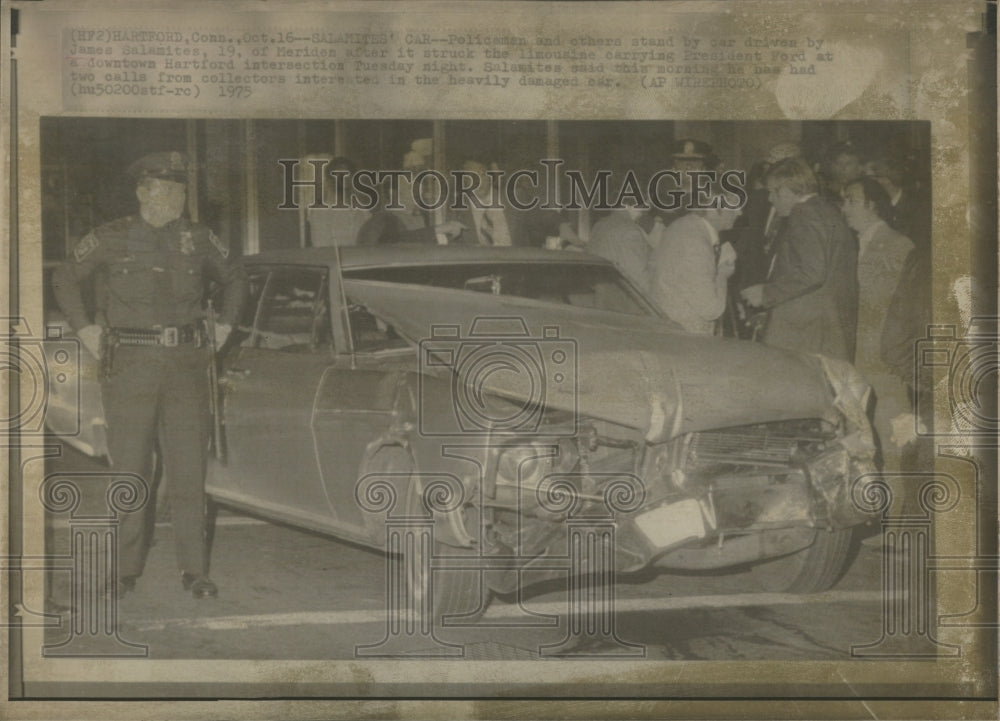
pixel 672 524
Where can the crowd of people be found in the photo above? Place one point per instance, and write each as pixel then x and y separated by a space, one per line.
pixel 827 256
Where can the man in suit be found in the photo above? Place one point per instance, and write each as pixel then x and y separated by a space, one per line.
pixel 753 236
pixel 489 225
pixel 811 294
pixel 619 238
pixel 690 269
pixel 907 213
pixel 841 165
pixel 881 255
pixel 498 223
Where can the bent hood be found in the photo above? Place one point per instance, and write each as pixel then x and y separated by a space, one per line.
pixel 633 370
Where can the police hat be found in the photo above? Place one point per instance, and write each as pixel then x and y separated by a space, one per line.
pixel 783 150
pixel 689 149
pixel 162 166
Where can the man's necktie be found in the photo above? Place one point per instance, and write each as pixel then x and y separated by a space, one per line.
pixel 486 228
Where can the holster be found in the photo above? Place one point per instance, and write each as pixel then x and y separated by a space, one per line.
pixel 109 343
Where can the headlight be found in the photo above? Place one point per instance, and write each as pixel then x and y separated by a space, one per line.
pixel 525 465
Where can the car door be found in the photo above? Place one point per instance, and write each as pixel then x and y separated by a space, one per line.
pixel 354 407
pixel 270 384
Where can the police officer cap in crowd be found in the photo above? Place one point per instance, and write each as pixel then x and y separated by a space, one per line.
pixel 161 166
pixel 690 149
pixel 689 152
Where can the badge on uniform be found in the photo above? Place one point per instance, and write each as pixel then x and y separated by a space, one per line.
pixel 219 245
pixel 187 242
pixel 87 245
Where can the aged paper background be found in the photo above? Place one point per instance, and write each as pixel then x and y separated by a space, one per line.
pixel 886 61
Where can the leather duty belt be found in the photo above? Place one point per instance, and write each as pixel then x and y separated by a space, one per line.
pixel 168 337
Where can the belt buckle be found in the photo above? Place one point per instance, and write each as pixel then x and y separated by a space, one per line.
pixel 169 337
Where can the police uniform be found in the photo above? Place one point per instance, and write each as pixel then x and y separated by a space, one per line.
pixel 153 285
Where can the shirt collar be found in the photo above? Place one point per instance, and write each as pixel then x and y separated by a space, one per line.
pixel 866 236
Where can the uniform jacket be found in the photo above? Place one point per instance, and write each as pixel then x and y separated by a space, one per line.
pixel 620 239
pixel 152 276
pixel 812 293
pixel 683 275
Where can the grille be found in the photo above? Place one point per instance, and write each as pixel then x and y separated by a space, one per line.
pixel 759 445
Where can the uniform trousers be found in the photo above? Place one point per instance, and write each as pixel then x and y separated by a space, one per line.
pixel 165 389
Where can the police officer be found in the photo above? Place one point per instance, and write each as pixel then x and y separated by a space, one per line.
pixel 152 343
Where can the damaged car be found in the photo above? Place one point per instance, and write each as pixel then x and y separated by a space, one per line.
pixel 496 396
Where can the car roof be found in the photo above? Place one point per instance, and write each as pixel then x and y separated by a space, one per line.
pixel 412 254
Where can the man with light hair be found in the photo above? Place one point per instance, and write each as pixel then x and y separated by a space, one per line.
pixel 811 294
pixel 690 268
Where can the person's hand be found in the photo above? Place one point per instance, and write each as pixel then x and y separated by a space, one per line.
pixel 222 331
pixel 90 337
pixel 567 234
pixel 727 260
pixel 753 295
pixel 451 228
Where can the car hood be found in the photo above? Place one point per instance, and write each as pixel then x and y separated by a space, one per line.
pixel 633 370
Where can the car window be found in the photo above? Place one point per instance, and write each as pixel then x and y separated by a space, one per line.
pixel 370 334
pixel 600 287
pixel 293 313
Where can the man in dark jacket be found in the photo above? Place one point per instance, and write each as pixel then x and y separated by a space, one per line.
pixel 811 294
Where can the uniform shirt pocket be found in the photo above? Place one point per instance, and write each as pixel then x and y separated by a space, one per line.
pixel 187 275
pixel 130 279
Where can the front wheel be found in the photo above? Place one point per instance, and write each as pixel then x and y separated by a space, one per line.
pixel 458 595
pixel 811 570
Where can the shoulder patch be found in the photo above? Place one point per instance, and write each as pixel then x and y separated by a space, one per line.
pixel 219 245
pixel 86 245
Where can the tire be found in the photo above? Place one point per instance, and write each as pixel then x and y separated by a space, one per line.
pixel 459 596
pixel 811 570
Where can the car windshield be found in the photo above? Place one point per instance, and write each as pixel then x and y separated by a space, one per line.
pixel 586 286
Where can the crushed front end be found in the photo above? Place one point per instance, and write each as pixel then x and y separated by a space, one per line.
pixel 698 500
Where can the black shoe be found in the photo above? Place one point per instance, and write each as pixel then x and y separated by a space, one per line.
pixel 199 586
